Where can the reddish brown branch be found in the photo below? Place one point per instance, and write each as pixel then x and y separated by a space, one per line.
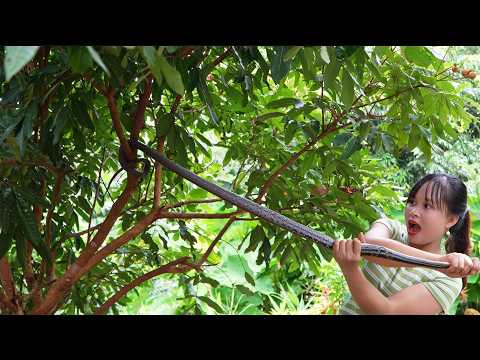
pixel 266 186
pixel 171 267
pixel 204 257
pixel 61 287
pixel 7 306
pixel 139 118
pixel 6 279
pixel 109 248
pixel 112 105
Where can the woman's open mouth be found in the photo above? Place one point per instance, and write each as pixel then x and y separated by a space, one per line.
pixel 413 228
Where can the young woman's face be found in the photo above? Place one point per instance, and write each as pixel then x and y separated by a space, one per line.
pixel 426 221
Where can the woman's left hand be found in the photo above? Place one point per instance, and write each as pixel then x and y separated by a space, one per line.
pixel 347 252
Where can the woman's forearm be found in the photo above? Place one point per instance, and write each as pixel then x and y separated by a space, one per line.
pixel 368 297
pixel 402 248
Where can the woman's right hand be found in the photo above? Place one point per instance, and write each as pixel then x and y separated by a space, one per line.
pixel 461 265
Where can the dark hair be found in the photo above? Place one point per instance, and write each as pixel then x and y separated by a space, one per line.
pixel 450 194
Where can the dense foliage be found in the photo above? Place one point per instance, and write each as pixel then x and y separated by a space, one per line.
pixel 316 133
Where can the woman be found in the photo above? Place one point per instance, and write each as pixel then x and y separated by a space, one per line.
pixel 436 205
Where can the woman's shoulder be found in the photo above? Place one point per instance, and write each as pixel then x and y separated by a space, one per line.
pixel 398 230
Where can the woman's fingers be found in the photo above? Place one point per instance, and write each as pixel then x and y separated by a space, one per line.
pixel 475 266
pixel 361 237
pixel 357 249
pixel 468 264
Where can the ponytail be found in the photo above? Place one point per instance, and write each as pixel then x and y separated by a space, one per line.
pixel 459 239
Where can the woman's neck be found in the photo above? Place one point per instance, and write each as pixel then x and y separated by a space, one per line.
pixel 433 247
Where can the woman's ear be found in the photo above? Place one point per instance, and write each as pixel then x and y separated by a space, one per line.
pixel 452 220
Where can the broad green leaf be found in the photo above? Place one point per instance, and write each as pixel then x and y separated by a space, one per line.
pixel 268 116
pixel 280 68
pixel 173 77
pixel 331 72
pixel 352 145
pixel 419 55
pixel 30 229
pixel 290 54
pixel 249 279
pixel 284 103
pixel 256 237
pixel 96 57
pixel 383 191
pixel 79 58
pixel 164 124
pixel 206 98
pixel 290 131
pixel 347 89
pixel 414 137
pixel 21 249
pixel 16 57
pixel 150 55
pixel 211 303
pixel 324 54
pixel 7 233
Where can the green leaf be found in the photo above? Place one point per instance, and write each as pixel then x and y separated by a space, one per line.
pixel 79 58
pixel 256 236
pixel 290 54
pixel 164 124
pixel 419 55
pixel 280 68
pixel 414 137
pixel 383 191
pixel 9 129
pixel 29 226
pixel 173 77
pixel 96 57
pixel 211 303
pixel 290 131
pixel 284 103
pixel 16 57
pixel 150 55
pixel 249 279
pixel 268 116
pixel 21 249
pixel 347 89
pixel 266 250
pixel 352 145
pixel 244 290
pixel 285 255
pixel 6 236
pixel 331 72
pixel 324 54
pixel 207 98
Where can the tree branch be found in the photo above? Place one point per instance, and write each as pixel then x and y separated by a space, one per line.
pixel 6 279
pixel 60 288
pixel 204 257
pixel 388 97
pixel 139 118
pixel 171 267
pixel 118 125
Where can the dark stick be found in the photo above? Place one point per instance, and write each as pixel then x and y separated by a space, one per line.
pixel 278 219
